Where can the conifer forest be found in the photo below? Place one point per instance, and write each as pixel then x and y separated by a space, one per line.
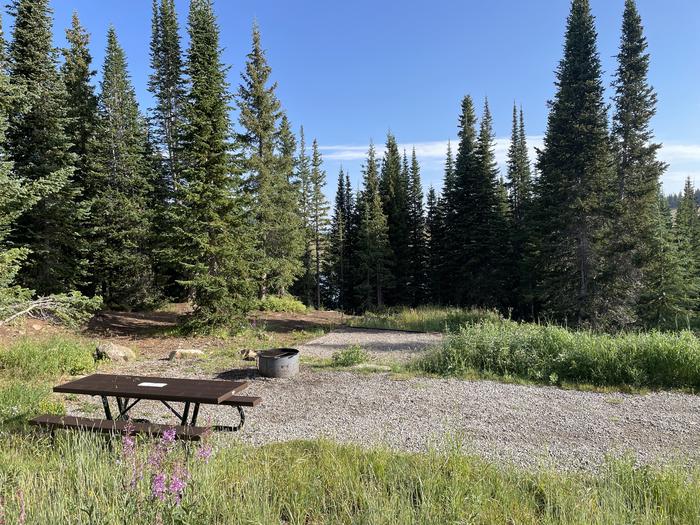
pixel 213 196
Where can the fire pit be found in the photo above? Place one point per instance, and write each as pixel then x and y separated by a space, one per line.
pixel 278 362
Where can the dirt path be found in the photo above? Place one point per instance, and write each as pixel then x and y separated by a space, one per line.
pixel 382 345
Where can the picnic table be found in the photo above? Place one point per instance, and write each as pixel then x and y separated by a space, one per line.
pixel 128 391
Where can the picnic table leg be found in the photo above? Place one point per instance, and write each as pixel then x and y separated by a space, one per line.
pixel 185 414
pixel 195 413
pixel 105 405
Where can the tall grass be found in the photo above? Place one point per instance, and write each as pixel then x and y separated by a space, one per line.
pixel 81 482
pixel 554 354
pixel 35 359
pixel 425 318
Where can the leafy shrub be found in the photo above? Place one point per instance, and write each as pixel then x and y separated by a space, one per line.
pixel 353 355
pixel 48 358
pixel 554 354
pixel 426 318
pixel 283 303
pixel 20 401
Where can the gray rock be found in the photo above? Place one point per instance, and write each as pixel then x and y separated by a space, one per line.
pixel 186 354
pixel 114 352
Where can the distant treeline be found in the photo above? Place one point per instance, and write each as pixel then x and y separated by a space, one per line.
pixel 178 203
pixel 674 199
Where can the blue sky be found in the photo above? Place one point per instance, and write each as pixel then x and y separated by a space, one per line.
pixel 349 71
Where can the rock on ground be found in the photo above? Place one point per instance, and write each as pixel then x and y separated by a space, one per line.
pixel 114 352
pixel 186 354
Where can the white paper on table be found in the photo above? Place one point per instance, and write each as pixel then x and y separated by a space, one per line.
pixel 153 385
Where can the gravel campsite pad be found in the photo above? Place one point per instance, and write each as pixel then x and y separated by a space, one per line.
pixel 393 345
pixel 528 425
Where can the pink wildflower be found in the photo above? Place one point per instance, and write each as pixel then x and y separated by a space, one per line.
pixel 158 490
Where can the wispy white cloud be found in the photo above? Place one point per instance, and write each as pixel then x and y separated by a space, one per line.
pixel 683 159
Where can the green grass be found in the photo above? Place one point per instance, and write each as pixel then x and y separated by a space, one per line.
pixel 34 359
pixel 550 354
pixel 352 355
pixel 425 318
pixel 81 482
pixel 276 303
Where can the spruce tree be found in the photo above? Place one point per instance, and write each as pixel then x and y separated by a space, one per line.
pixel 319 218
pixel 576 176
pixel 373 251
pixel 337 263
pixel 211 234
pixel 277 262
pixel 393 187
pixel 687 237
pixel 167 85
pixel 663 302
pixel 417 252
pixel 519 186
pixel 120 234
pixel 81 102
pixel 638 173
pixel 305 285
pixel 434 226
pixel 38 146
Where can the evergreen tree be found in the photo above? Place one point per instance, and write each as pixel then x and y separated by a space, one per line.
pixel 167 85
pixel 434 226
pixel 393 188
pixel 638 171
pixel 120 235
pixel 519 186
pixel 38 146
pixel 211 234
pixel 576 177
pixel 687 237
pixel 490 234
pixel 461 202
pixel 277 261
pixel 319 218
pixel 373 251
pixel 337 263
pixel 664 302
pixel 81 102
pixel 417 252
pixel 305 285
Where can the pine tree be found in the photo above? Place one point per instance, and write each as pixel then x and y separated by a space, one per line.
pixel 305 285
pixel 687 238
pixel 81 102
pixel 319 218
pixel 393 188
pixel 417 253
pixel 121 266
pixel 490 233
pixel 167 85
pixel 461 204
pixel 211 234
pixel 434 225
pixel 638 173
pixel 519 186
pixel 337 263
pixel 663 302
pixel 38 146
pixel 260 112
pixel 373 251
pixel 576 177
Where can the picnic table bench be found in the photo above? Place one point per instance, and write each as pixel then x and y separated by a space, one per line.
pixel 129 390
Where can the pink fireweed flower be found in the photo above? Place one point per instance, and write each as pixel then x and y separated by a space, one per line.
pixel 168 437
pixel 158 488
pixel 177 487
pixel 204 453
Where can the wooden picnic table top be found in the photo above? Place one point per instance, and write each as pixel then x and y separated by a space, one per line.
pixel 159 388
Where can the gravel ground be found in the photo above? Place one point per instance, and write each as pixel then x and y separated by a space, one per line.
pixel 391 345
pixel 526 425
